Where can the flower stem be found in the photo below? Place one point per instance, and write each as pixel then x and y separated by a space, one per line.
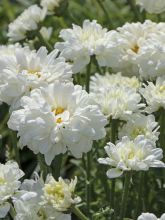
pixel 56 166
pixel 140 195
pixel 125 195
pixel 44 42
pixel 134 9
pixel 162 128
pixel 44 168
pixel 78 213
pixel 12 212
pixel 15 150
pixel 4 122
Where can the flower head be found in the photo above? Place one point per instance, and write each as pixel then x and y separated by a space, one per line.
pixel 58 117
pixel 154 94
pixel 28 21
pixel 50 5
pixel 27 70
pixel 127 155
pixel 9 184
pixel 150 216
pixel 81 43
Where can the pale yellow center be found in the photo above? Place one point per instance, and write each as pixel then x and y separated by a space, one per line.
pixel 34 72
pixel 2 181
pixel 135 49
pixel 138 131
pixel 54 190
pixel 162 89
pixel 57 111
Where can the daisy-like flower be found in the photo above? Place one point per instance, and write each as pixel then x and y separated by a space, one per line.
pixel 154 94
pixel 150 216
pixel 81 43
pixel 118 102
pixel 126 155
pixel 153 6
pixel 58 117
pixel 100 82
pixel 28 70
pixel 30 204
pixel 139 124
pixel 60 194
pixel 9 184
pixel 50 5
pixel 29 20
pixel 125 43
pixel 151 57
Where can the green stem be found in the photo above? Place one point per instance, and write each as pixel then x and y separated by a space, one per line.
pixel 88 77
pixel 162 128
pixel 125 195
pixel 56 166
pixel 12 212
pixel 44 168
pixel 16 154
pixel 44 42
pixel 78 213
pixel 4 121
pixel 134 9
pixel 140 195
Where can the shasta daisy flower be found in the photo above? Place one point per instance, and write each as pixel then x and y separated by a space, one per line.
pixel 81 43
pixel 27 70
pixel 127 155
pixel 28 21
pixel 154 94
pixel 153 6
pixel 56 118
pixel 139 124
pixel 150 216
pixel 50 5
pixel 9 184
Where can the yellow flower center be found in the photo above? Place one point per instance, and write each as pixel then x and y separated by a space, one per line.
pixel 54 191
pixel 34 72
pixel 2 181
pixel 162 89
pixel 138 131
pixel 135 49
pixel 57 111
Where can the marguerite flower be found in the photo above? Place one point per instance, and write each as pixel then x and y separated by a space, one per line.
pixel 150 216
pixel 50 5
pixel 117 102
pixel 56 118
pixel 154 94
pixel 138 154
pixel 9 184
pixel 81 43
pixel 139 124
pixel 100 82
pixel 29 20
pixel 152 6
pixel 60 194
pixel 27 70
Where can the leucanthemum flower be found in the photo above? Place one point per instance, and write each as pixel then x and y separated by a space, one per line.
pixel 82 42
pixel 50 5
pixel 150 216
pixel 138 154
pixel 139 124
pixel 100 82
pixel 154 94
pixel 60 194
pixel 118 102
pixel 56 118
pixel 28 21
pixel 9 184
pixel 151 57
pixel 27 70
pixel 30 204
pixel 125 43
pixel 152 6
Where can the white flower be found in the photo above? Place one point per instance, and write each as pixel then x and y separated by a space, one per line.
pixel 56 118
pixel 139 124
pixel 28 21
pixel 81 43
pixel 151 57
pixel 139 154
pixel 100 82
pixel 154 93
pixel 31 206
pixel 125 44
pixel 50 5
pixel 60 194
pixel 46 32
pixel 118 102
pixel 150 216
pixel 9 184
pixel 152 6
pixel 28 70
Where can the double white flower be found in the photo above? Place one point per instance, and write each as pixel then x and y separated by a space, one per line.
pixel 58 117
pixel 127 155
pixel 150 216
pixel 153 6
